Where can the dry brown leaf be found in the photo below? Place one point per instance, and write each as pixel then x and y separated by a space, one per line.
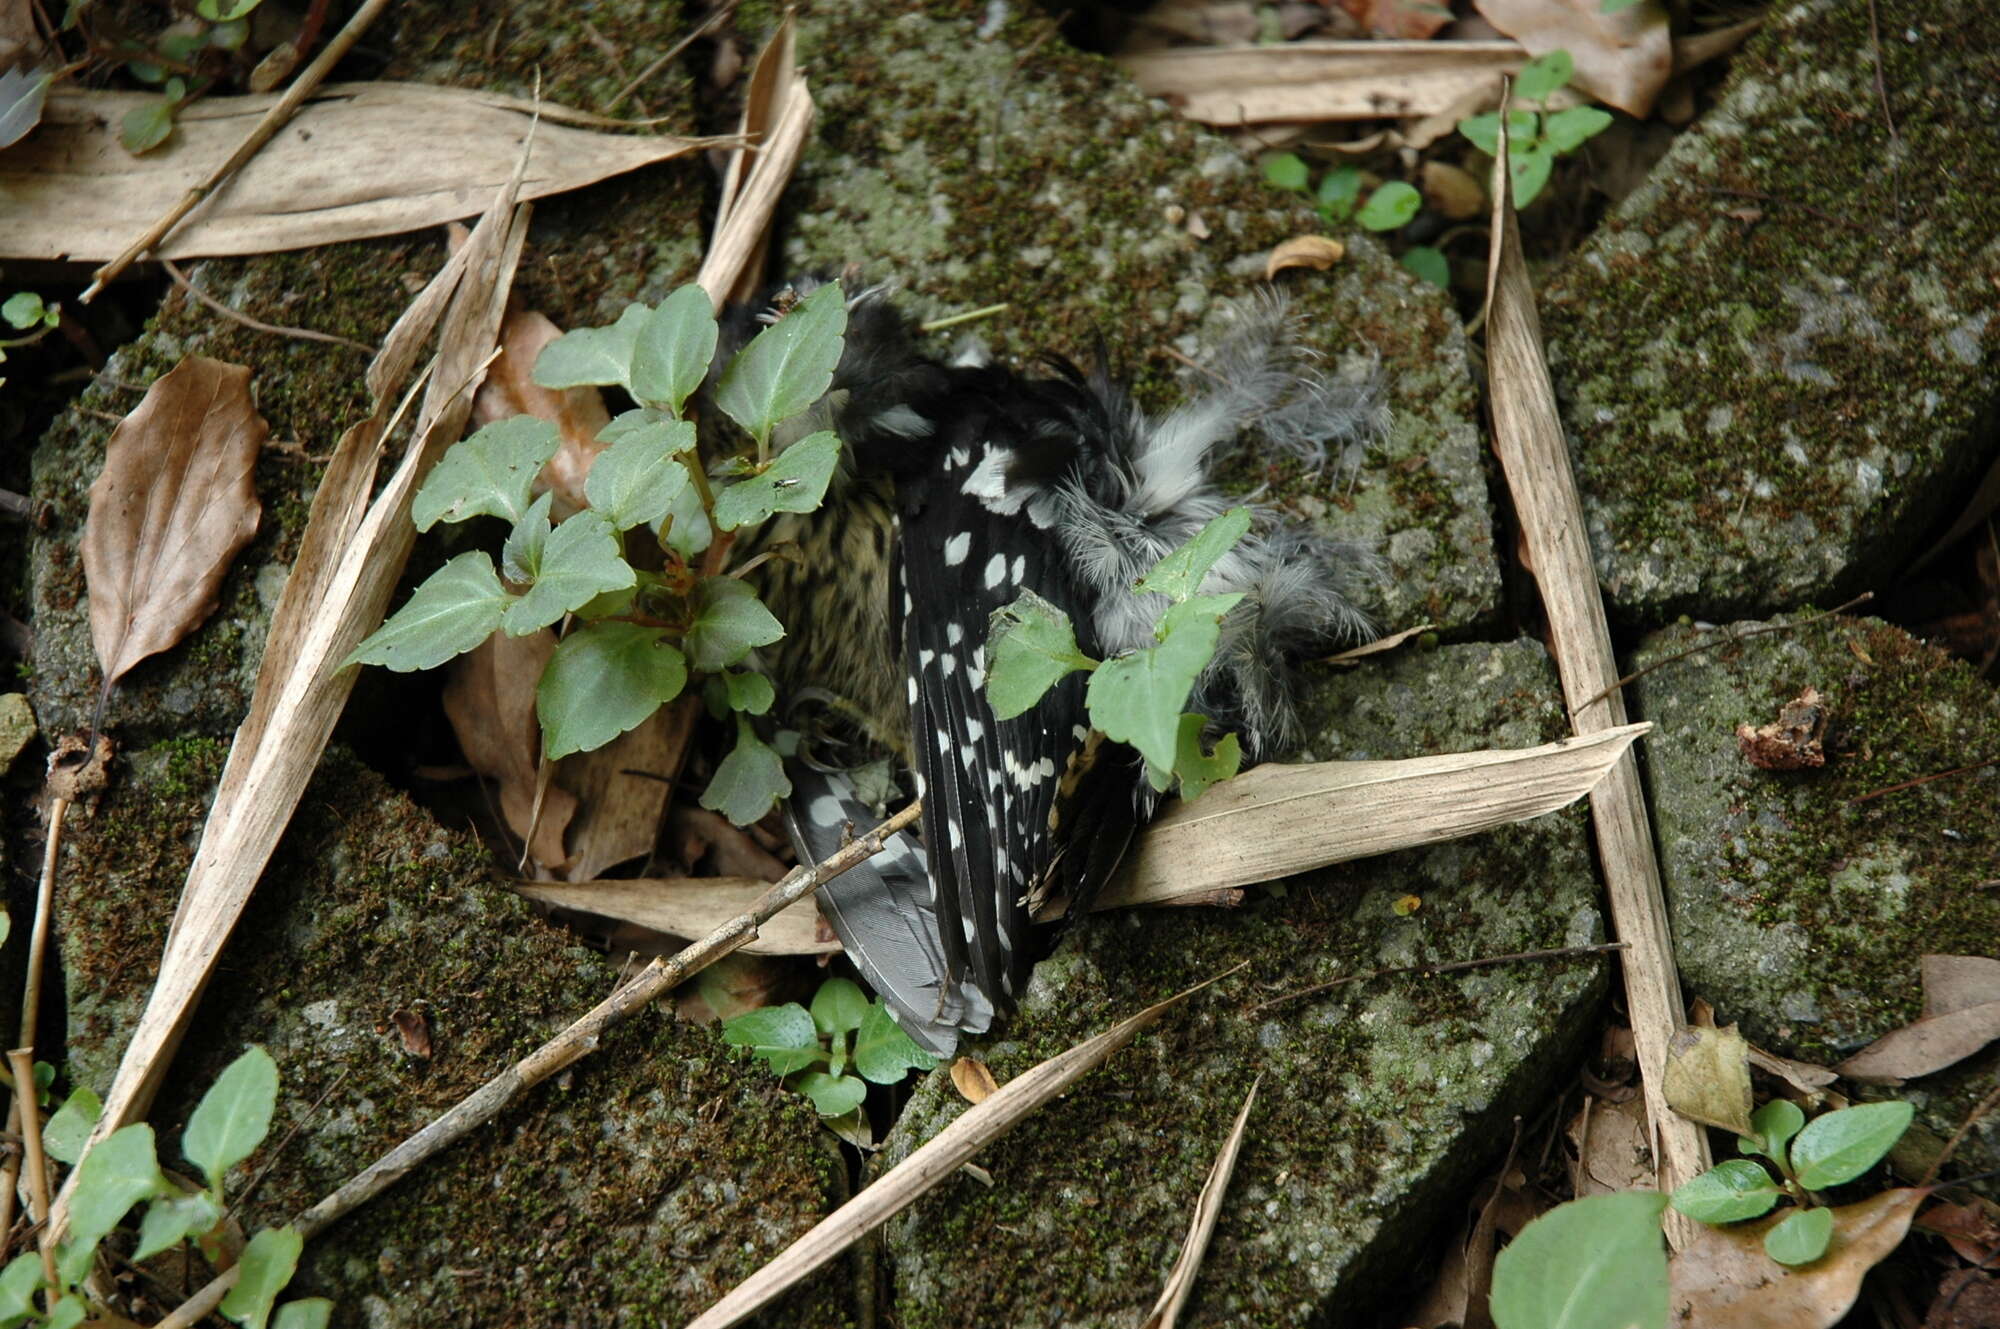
pixel 688 907
pixel 1723 1279
pixel 1622 59
pixel 1961 1016
pixel 1966 1299
pixel 621 791
pixel 173 505
pixel 578 414
pixel 973 1079
pixel 489 697
pixel 1304 251
pixel 1453 191
pixel 1973 1229
pixel 1208 1207
pixel 728 849
pixel 1809 1079
pixel 1792 741
pixel 1412 20
pixel 1708 1077
pixel 346 167
pixel 1614 1147
pixel 1957 982
pixel 1232 86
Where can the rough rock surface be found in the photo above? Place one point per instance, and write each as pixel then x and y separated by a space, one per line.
pixel 1777 359
pixel 1379 1100
pixel 1798 911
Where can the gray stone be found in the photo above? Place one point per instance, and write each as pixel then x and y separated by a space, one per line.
pixel 1380 1101
pixel 1776 358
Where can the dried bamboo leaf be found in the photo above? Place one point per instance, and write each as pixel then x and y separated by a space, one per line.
pixel 1623 58
pixel 346 167
pixel 779 114
pixel 689 907
pixel 173 506
pixel 1207 1208
pixel 489 698
pixel 1307 81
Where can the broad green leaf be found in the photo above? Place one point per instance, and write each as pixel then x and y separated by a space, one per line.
pixel 1032 647
pixel 171 1219
pixel 1180 574
pixel 147 125
pixel 1839 1146
pixel 781 1036
pixel 305 1313
pixel 635 481
pixel 788 366
pixel 67 1313
pixel 1198 769
pixel 489 474
pixel 1728 1192
pixel 521 556
pixel 120 1171
pixel 795 482
pixel 593 357
pixel 673 350
pixel 1483 131
pixel 229 36
pixel 1286 171
pixel 1138 698
pixel 832 1095
pixel 1340 192
pixel 685 529
pixel 1595 1263
pixel 1530 170
pixel 457 607
pixel 19 1282
pixel 838 1006
pixel 262 1272
pixel 1773 1125
pixel 883 1053
pixel 65 1134
pixel 22 95
pixel 23 310
pixel 1390 206
pixel 1569 130
pixel 1428 264
pixel 729 623
pixel 750 780
pixel 224 11
pixel 233 1116
pixel 1541 76
pixel 640 420
pixel 604 679
pixel 579 563
pixel 1801 1237
pixel 750 693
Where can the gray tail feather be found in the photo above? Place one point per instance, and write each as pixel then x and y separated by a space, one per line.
pixel 883 915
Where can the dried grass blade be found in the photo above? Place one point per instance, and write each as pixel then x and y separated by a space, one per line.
pixel 780 114
pixel 1180 1280
pixel 1233 86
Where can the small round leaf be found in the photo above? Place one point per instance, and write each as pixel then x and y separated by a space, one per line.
pixel 1801 1237
pixel 1837 1147
pixel 1389 207
pixel 233 1116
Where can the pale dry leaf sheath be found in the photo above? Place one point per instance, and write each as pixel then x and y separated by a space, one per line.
pixel 1623 58
pixel 1208 1207
pixel 174 504
pixel 689 907
pixel 1307 81
pixel 933 1162
pixel 778 114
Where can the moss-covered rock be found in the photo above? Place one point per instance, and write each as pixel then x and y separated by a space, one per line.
pixel 637 1188
pixel 1801 900
pixel 1380 1100
pixel 1777 359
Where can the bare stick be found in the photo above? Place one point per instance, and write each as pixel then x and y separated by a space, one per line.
pixel 582 1038
pixel 38 940
pixel 23 1062
pixel 274 120
pixel 1484 961
pixel 257 324
pixel 707 25
pixel 1723 637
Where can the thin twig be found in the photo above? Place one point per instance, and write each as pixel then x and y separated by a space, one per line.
pixel 38 940
pixel 712 21
pixel 1557 953
pixel 256 324
pixel 274 119
pixel 953 320
pixel 579 1040
pixel 1972 1118
pixel 23 1062
pixel 1923 779
pixel 1725 636
pixel 305 1119
pixel 1888 117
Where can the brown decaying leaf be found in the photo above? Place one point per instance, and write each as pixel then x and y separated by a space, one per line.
pixel 1208 1207
pixel 1413 20
pixel 1707 1077
pixel 1304 251
pixel 973 1080
pixel 1614 1147
pixel 1792 741
pixel 621 791
pixel 1973 1228
pixel 1966 1299
pixel 489 697
pixel 1724 1280
pixel 1961 1016
pixel 708 840
pixel 1232 86
pixel 1622 59
pixel 688 907
pixel 413 1028
pixel 174 504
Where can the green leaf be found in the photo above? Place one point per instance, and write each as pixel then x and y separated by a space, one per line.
pixel 1800 1237
pixel 65 1134
pixel 685 529
pixel 580 562
pixel 1429 265
pixel 636 480
pixel 1531 172
pixel 1567 130
pixel 1595 1263
pixel 784 1037
pixel 1483 131
pixel 1033 647
pixel 19 1282
pixel 1839 1146
pixel 1390 206
pixel 305 1313
pixel 224 11
pixel 521 556
pixel 832 1095
pixel 1774 1125
pixel 1180 574
pixel 67 1313
pixel 23 310
pixel 457 607
pixel 233 1116
pixel 749 782
pixel 1617 6
pixel 147 125
pixel 593 357
pixel 729 623
pixel 789 365
pixel 673 350
pixel 838 1007
pixel 1728 1192
pixel 121 1171
pixel 1138 698
pixel 23 94
pixel 883 1053
pixel 266 1266
pixel 1540 77
pixel 171 1219
pixel 1339 192
pixel 489 474
pixel 1198 769
pixel 229 36
pixel 795 482
pixel 750 693
pixel 604 679
pixel 1286 171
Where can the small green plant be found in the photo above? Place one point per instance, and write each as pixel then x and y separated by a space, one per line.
pixel 1338 200
pixel 184 61
pixel 1536 138
pixel 123 1171
pixel 1135 698
pixel 1831 1150
pixel 1594 1263
pixel 26 312
pixel 636 638
pixel 832 1052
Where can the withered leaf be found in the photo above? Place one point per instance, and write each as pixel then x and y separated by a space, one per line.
pixel 1724 1278
pixel 1708 1076
pixel 973 1080
pixel 174 504
pixel 1961 1016
pixel 1304 251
